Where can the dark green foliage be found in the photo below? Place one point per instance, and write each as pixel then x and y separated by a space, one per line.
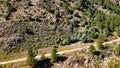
pixel 108 4
pixel 99 20
pixel 11 8
pixel 76 5
pixel 93 32
pixel 99 43
pixel 83 23
pixel 70 10
pixel 85 37
pixel 54 55
pixel 117 50
pixel 56 12
pixel 65 5
pixel 31 57
pixel 76 14
pixel 48 8
pixel 91 49
pixel 106 31
pixel 80 4
pixel 117 30
pixel 66 41
pixel 57 40
pixel 54 27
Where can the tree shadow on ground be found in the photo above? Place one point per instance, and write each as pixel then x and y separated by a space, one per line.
pixel 47 64
pixel 61 58
pixel 44 63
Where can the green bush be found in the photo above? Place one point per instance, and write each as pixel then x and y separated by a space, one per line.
pixel 57 40
pixel 54 55
pixel 83 23
pixel 48 8
pixel 91 49
pixel 42 55
pixel 117 30
pixel 76 14
pixel 117 50
pixel 11 8
pixel 100 41
pixel 54 27
pixel 99 44
pixel 56 12
pixel 9 65
pixel 93 33
pixel 66 41
pixel 76 5
pixel 65 5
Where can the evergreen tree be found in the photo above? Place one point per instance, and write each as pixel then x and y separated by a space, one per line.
pixel 31 57
pixel 54 55
pixel 100 41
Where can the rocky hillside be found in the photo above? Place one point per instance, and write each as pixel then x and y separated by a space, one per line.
pixel 43 23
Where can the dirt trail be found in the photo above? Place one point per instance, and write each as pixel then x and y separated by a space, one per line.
pixel 60 52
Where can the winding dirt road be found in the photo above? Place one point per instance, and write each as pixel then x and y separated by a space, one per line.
pixel 61 52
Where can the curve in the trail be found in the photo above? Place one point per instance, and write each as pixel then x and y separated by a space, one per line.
pixel 61 52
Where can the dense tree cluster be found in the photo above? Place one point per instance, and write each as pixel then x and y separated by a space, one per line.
pixel 108 4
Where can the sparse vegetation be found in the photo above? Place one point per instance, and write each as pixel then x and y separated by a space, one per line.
pixel 50 23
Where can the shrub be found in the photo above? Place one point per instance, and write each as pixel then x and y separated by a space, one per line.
pixel 91 49
pixel 118 30
pixel 76 5
pixel 93 32
pixel 79 58
pixel 54 27
pixel 11 8
pixel 117 50
pixel 9 65
pixel 56 12
pixel 54 55
pixel 83 23
pixel 66 41
pixel 76 14
pixel 42 55
pixel 57 40
pixel 99 44
pixel 48 8
pixel 100 41
pixel 65 5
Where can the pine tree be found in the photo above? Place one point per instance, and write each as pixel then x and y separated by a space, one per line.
pixel 100 41
pixel 31 57
pixel 54 55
